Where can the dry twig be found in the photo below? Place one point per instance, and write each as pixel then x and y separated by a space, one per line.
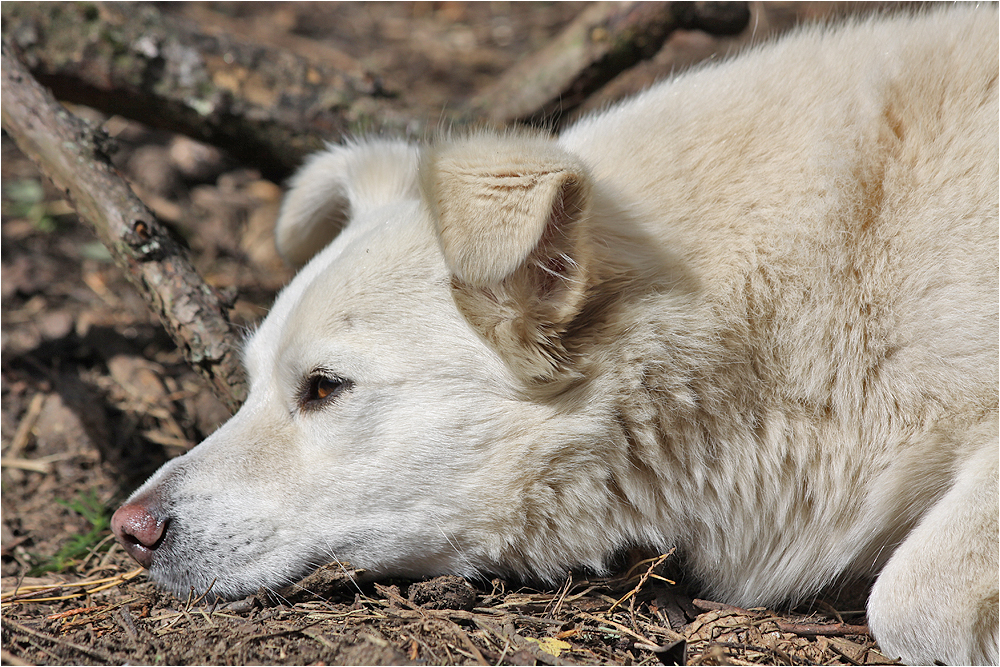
pixel 823 629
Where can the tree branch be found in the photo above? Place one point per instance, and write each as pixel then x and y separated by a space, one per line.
pixel 605 40
pixel 266 107
pixel 73 156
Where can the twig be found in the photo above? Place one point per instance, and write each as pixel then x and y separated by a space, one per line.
pixel 267 107
pixel 201 597
pixel 11 659
pixel 561 596
pixel 73 155
pixel 124 618
pixel 646 642
pixel 710 605
pixel 457 630
pixel 830 609
pixel 823 629
pixel 38 647
pixel 279 633
pixel 317 637
pixel 391 593
pixel 643 579
pixel 75 612
pixel 628 575
pixel 605 39
pixel 23 432
pixel 103 657
pixel 33 465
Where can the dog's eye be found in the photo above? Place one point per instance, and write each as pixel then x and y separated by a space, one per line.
pixel 322 388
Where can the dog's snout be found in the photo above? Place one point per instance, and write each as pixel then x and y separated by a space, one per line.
pixel 139 530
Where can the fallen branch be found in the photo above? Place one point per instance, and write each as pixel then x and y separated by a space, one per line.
pixel 801 629
pixel 267 107
pixel 72 154
pixel 605 40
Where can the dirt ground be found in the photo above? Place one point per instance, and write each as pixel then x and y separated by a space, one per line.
pixel 95 397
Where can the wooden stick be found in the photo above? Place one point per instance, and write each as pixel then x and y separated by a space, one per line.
pixel 711 605
pixel 74 157
pixel 607 38
pixel 267 107
pixel 823 629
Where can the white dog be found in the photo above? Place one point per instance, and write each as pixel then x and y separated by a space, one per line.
pixel 751 313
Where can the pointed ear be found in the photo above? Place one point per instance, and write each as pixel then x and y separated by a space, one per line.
pixel 510 214
pixel 334 185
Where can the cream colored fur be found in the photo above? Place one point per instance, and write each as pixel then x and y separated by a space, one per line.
pixel 751 314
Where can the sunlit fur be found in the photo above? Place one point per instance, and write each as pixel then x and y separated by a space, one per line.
pixel 751 314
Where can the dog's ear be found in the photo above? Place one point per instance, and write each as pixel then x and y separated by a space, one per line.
pixel 334 185
pixel 511 216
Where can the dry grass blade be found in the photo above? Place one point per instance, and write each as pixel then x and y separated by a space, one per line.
pixel 21 593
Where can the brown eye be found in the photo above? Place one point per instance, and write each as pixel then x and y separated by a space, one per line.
pixel 322 388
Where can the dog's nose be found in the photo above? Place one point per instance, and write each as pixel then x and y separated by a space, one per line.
pixel 138 530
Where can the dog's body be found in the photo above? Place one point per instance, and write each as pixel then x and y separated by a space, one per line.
pixel 751 313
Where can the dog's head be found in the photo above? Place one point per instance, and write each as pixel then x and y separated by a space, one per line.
pixel 417 400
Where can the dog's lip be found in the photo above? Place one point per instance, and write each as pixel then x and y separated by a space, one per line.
pixel 140 553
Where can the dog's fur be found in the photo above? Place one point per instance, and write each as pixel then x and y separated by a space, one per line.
pixel 751 313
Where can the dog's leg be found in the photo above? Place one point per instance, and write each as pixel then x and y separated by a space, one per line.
pixel 937 598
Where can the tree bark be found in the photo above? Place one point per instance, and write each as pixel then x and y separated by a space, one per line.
pixel 73 155
pixel 267 107
pixel 605 40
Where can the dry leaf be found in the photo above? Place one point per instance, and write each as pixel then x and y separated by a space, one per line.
pixel 551 645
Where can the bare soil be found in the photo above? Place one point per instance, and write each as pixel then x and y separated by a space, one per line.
pixel 95 397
